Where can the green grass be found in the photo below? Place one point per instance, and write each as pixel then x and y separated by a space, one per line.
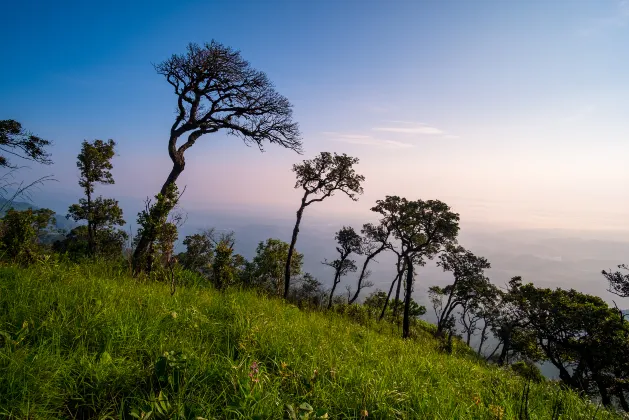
pixel 87 341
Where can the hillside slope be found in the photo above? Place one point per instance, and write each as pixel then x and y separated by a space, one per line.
pixel 86 341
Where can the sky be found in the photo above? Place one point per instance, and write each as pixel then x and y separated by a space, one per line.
pixel 512 112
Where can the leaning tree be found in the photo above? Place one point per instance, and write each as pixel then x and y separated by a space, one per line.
pixel 217 90
pixel 423 229
pixel 348 242
pixel 375 240
pixel 320 178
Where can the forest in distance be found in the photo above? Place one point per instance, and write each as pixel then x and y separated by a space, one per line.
pixel 518 324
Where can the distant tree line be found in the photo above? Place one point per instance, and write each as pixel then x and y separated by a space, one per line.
pixel 581 335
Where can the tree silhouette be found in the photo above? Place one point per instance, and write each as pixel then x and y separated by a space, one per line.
pixel 375 240
pixel 469 283
pixel 218 90
pixel 618 281
pixel 320 178
pixel 16 141
pixel 349 242
pixel 422 228
pixel 101 214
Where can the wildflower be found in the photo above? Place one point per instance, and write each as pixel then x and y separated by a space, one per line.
pixel 174 314
pixel 364 413
pixel 253 372
pixel 476 399
pixel 284 365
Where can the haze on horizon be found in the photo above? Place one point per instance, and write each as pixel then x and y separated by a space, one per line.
pixel 511 112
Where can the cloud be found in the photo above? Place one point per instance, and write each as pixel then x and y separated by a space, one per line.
pixel 410 128
pixel 366 140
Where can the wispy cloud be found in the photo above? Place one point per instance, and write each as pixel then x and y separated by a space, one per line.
pixel 409 127
pixel 366 140
pixel 410 130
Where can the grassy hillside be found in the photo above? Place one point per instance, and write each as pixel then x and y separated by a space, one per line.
pixel 89 342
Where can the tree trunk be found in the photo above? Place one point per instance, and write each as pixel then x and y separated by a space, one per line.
pixel 398 291
pixel 91 242
pixel 386 302
pixel 406 325
pixel 337 280
pixel 148 235
pixel 482 339
pixel 362 274
pixel 291 248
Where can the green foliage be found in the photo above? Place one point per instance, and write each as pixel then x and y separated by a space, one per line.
pixel 21 143
pixel 375 302
pixel 267 271
pixel 528 370
pixel 153 224
pixel 422 228
pixel 199 252
pixel 98 344
pixel 20 232
pixel 76 243
pixel 326 174
pixel 102 215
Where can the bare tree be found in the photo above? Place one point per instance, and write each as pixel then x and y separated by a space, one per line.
pixel 349 242
pixel 375 240
pixel 320 178
pixel 423 228
pixel 218 90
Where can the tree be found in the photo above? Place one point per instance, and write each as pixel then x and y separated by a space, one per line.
pixel 101 214
pixel 349 242
pixel 320 178
pixel 422 228
pixel 21 230
pixel 618 281
pixel 482 309
pixel 226 266
pixel 379 299
pixel 469 282
pixel 580 335
pixel 268 270
pixel 217 90
pixel 111 243
pixel 375 240
pixel 16 141
pixel 199 252
pixel 307 291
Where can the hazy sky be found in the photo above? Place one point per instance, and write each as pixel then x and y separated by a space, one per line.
pixel 513 112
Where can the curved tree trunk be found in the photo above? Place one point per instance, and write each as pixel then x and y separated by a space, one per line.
pixel 337 280
pixel 291 248
pixel 386 302
pixel 363 272
pixel 406 325
pixel 398 292
pixel 148 235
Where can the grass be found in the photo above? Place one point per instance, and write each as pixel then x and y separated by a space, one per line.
pixel 87 341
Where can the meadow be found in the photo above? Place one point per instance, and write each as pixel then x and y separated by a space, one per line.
pixel 89 341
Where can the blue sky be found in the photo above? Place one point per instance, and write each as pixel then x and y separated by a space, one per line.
pixel 513 112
